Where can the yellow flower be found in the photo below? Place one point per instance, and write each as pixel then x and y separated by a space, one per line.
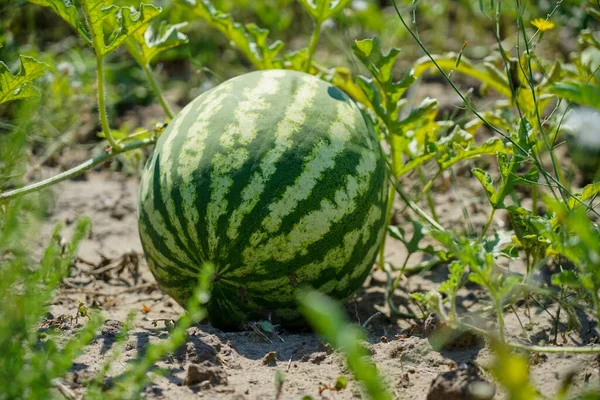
pixel 542 24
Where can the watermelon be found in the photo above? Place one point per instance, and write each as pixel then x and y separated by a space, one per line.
pixel 278 180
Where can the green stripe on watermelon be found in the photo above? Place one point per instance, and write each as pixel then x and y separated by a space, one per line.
pixel 277 179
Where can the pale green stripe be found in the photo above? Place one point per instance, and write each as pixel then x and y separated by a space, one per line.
pixel 374 216
pixel 321 158
pixel 166 187
pixel 336 258
pixel 234 138
pixel 291 123
pixel 155 256
pixel 190 156
pixel 313 226
pixel 153 215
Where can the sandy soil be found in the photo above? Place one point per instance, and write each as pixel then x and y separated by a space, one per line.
pixel 111 275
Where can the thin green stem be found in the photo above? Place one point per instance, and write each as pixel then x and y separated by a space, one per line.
pixel 102 105
pixel 413 206
pixel 488 223
pixel 427 193
pixel 500 312
pixel 314 39
pixel 78 170
pixel 401 273
pixel 135 52
pixel 157 91
pixel 531 81
pixel 388 218
pixel 393 308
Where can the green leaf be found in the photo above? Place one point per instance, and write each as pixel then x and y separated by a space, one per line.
pixel 14 87
pixel 321 10
pixel 567 278
pixel 158 38
pixel 373 93
pixel 380 65
pixel 486 181
pixel 250 40
pixel 512 372
pixel 425 113
pixel 578 92
pixel 588 192
pixel 491 146
pixel 128 21
pixel 412 245
pixel 451 285
pixel 67 11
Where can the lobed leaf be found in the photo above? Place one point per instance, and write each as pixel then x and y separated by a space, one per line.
pixel 578 92
pixel 321 10
pixel 68 12
pixel 370 54
pixel 486 181
pixel 15 87
pixel 588 192
pixel 157 38
pixel 128 21
pixel 250 40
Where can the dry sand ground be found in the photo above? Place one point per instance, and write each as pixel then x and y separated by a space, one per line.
pixel 237 364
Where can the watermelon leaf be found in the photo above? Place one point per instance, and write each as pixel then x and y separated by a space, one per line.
pixel 321 10
pixel 578 92
pixel 383 93
pixel 124 21
pixel 67 11
pixel 128 21
pixel 14 87
pixel 588 192
pixel 370 54
pixel 486 181
pixel 250 39
pixel 157 38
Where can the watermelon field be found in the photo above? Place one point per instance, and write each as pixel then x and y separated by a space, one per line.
pixel 300 199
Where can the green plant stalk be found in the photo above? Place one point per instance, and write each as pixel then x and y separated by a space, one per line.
pixel 388 218
pixel 429 184
pixel 488 223
pixel 500 311
pixel 400 273
pixel 75 171
pixel 157 91
pixel 102 106
pixel 531 82
pixel 427 193
pixel 413 206
pixel 137 56
pixel 534 200
pixel 314 40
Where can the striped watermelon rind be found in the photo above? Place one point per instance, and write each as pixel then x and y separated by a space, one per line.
pixel 277 179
